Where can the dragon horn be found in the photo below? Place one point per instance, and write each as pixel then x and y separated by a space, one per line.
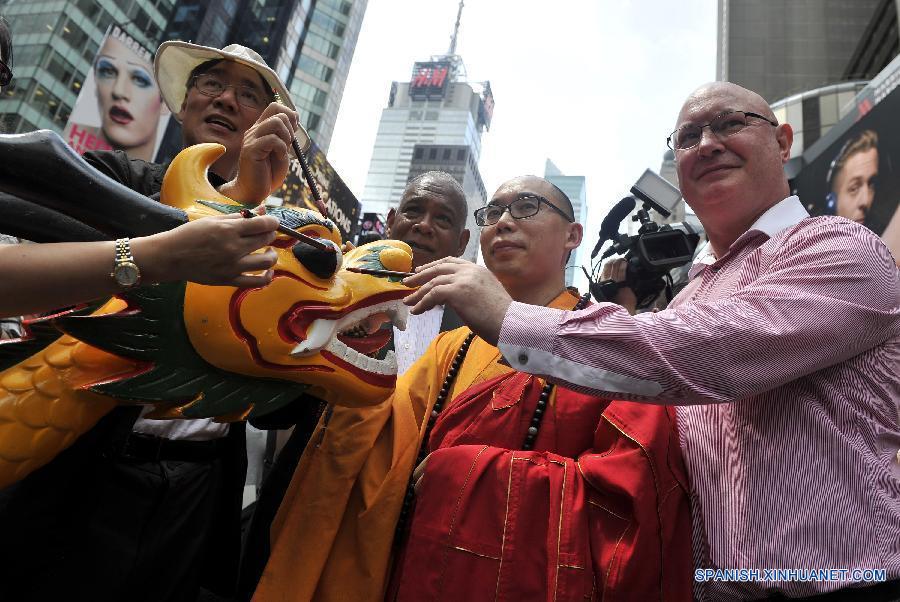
pixel 40 167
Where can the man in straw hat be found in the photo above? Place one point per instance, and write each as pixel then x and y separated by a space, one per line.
pixel 141 509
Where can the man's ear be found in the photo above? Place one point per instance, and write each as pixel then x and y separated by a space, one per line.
pixel 392 213
pixel 784 134
pixel 463 241
pixel 574 235
pixel 180 114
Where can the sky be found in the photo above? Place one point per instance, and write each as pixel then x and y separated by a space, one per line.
pixel 594 85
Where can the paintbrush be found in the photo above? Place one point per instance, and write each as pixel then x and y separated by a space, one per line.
pixel 307 174
pixel 385 273
pixel 309 240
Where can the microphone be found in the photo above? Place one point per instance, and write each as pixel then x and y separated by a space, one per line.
pixel 609 228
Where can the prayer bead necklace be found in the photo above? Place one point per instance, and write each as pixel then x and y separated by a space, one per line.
pixel 530 435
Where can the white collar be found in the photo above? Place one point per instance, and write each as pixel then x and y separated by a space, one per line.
pixel 779 216
pixel 783 214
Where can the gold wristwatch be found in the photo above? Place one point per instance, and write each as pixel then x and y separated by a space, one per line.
pixel 125 271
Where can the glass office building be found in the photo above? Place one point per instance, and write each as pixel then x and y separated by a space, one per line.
pixel 575 188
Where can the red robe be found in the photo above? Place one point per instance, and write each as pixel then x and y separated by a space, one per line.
pixel 598 511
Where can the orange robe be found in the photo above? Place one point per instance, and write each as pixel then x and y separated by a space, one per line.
pixel 332 538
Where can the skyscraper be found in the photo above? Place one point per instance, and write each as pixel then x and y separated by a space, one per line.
pixel 784 47
pixel 310 44
pixel 435 119
pixel 575 188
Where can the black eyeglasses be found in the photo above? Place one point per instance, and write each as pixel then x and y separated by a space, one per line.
pixel 5 74
pixel 726 124
pixel 210 85
pixel 525 205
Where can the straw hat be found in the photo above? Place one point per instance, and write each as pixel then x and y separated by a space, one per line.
pixel 175 60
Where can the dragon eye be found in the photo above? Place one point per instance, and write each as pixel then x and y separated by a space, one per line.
pixel 321 263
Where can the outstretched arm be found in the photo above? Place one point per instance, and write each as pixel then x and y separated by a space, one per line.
pixel 215 251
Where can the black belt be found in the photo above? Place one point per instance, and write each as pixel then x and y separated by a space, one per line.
pixel 887 591
pixel 147 448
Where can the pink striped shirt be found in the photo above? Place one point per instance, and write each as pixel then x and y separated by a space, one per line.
pixel 784 357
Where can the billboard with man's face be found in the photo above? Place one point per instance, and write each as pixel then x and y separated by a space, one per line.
pixel 119 106
pixel 857 175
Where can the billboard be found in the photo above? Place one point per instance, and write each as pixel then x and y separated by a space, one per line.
pixel 119 106
pixel 429 79
pixel 855 172
pixel 341 204
pixel 372 225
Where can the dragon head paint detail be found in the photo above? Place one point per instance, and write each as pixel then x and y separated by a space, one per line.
pixel 243 352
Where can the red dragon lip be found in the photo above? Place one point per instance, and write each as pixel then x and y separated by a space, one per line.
pixel 294 325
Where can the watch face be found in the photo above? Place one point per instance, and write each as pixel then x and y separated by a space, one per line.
pixel 127 274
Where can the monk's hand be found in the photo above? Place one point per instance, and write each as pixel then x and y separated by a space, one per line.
pixel 471 290
pixel 264 162
pixel 418 473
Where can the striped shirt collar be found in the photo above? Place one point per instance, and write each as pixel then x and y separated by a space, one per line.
pixel 779 216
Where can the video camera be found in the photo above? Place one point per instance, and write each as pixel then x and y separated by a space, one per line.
pixel 654 250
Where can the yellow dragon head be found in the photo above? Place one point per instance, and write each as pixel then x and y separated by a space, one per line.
pixel 229 353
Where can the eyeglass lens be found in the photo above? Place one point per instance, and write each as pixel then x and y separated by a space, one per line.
pixel 524 206
pixel 724 125
pixel 210 85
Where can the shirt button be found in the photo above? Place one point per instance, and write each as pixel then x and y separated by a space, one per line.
pixel 523 359
pixel 898 456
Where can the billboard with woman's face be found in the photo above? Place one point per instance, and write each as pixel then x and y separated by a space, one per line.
pixel 119 106
pixel 857 175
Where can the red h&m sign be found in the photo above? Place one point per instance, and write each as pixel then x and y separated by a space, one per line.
pixel 429 80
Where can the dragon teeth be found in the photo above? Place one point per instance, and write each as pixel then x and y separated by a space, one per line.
pixel 318 335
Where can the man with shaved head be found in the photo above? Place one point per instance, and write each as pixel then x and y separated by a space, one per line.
pixel 475 481
pixel 781 355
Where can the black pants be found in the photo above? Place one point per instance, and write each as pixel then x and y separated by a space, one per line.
pixel 109 529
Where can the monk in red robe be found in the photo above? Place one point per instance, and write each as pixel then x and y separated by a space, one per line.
pixel 521 490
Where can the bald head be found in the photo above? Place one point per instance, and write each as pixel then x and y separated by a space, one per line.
pixel 541 187
pixel 444 185
pixel 741 98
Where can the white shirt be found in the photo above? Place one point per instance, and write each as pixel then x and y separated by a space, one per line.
pixel 410 344
pixel 199 429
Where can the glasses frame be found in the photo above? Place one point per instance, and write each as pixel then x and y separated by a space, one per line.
pixel 6 74
pixel 528 195
pixel 670 140
pixel 225 87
